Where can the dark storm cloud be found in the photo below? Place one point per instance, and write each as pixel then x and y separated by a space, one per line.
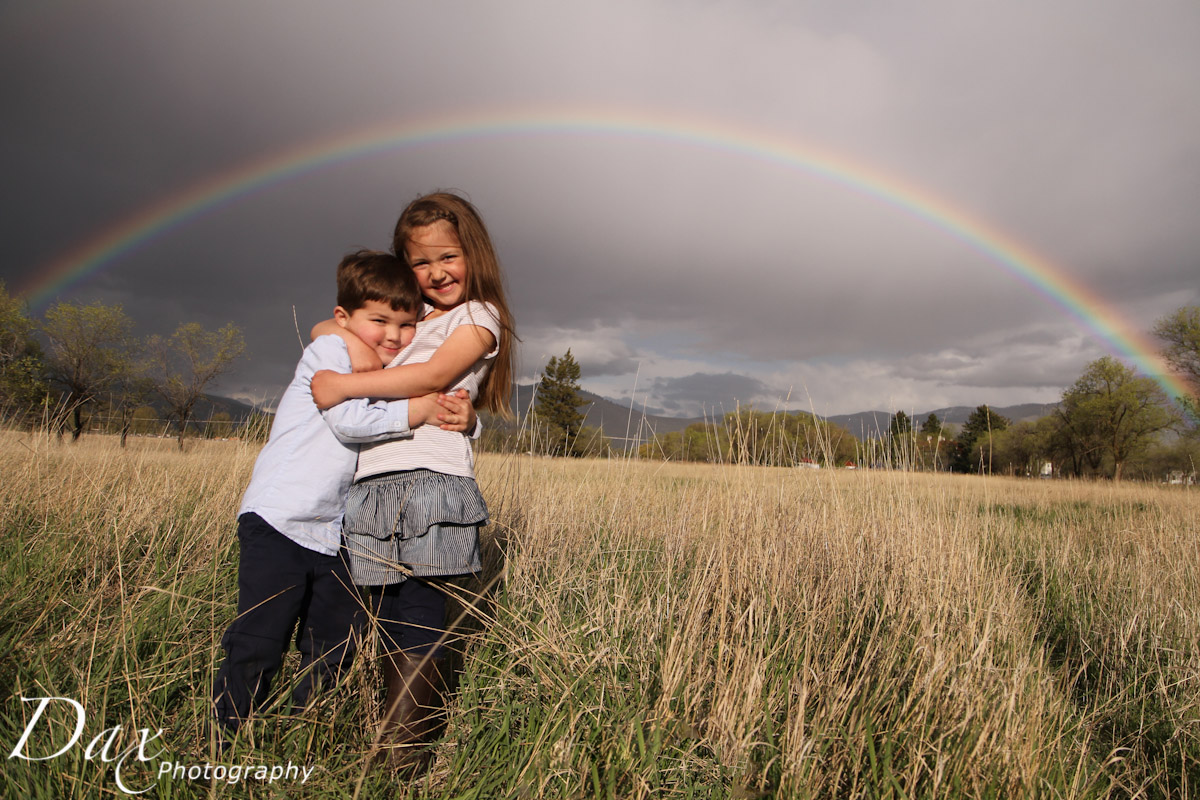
pixel 1027 367
pixel 715 394
pixel 1070 128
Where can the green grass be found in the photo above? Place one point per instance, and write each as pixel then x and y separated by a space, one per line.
pixel 641 630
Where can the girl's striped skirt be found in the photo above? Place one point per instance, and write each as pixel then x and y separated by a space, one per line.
pixel 416 522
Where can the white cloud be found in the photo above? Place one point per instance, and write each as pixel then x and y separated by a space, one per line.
pixel 599 351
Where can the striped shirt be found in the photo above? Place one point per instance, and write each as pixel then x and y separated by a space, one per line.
pixel 431 447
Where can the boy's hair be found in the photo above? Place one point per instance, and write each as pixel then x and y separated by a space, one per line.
pixel 372 275
pixel 484 283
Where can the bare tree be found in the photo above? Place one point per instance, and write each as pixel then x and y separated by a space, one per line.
pixel 126 397
pixel 189 361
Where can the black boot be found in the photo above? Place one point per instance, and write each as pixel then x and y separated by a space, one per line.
pixel 413 710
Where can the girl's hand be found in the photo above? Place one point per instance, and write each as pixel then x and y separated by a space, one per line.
pixel 327 389
pixel 363 357
pixel 457 414
pixel 449 412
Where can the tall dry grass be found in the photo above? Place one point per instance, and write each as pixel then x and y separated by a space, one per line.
pixel 652 630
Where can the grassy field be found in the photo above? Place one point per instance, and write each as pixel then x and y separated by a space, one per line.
pixel 642 630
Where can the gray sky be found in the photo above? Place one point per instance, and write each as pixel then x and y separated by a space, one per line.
pixel 685 276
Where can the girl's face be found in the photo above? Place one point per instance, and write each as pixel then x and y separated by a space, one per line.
pixel 437 259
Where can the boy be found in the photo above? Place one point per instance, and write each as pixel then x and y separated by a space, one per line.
pixel 291 573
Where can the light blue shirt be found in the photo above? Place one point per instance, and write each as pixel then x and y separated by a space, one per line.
pixel 302 475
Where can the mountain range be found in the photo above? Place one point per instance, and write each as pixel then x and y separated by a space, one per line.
pixel 628 424
pixel 623 423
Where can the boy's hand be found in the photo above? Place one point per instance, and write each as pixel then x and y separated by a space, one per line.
pixel 326 389
pixel 363 357
pixel 456 412
pixel 323 328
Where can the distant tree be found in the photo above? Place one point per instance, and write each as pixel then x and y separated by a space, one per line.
pixel 220 426
pixel 257 427
pixel 126 397
pixel 1180 333
pixel 1177 459
pixel 700 441
pixel 1073 445
pixel 184 365
pixel 558 402
pixel 592 443
pixel 1020 449
pixel 982 421
pixel 90 349
pixel 931 442
pixel 144 420
pixel 772 438
pixel 900 436
pixel 22 370
pixel 932 426
pixel 747 436
pixel 1112 412
pixel 838 446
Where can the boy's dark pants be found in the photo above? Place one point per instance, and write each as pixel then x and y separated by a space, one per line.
pixel 284 587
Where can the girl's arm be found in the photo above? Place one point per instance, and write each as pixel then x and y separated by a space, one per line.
pixel 363 357
pixel 462 348
pixel 359 421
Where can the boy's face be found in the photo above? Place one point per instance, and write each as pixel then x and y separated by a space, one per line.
pixel 386 330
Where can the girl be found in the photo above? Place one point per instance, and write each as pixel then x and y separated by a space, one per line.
pixel 414 511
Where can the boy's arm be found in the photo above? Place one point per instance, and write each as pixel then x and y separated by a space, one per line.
pixel 462 348
pixel 359 421
pixel 363 357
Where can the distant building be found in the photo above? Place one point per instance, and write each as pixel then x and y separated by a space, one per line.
pixel 1178 477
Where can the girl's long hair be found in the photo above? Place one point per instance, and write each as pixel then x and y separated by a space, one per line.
pixel 485 282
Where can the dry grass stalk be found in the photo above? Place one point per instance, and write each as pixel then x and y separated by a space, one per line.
pixel 653 630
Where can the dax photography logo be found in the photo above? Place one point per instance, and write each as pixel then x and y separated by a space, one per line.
pixel 128 751
pixel 104 746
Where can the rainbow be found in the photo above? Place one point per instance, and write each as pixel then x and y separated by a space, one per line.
pixel 171 212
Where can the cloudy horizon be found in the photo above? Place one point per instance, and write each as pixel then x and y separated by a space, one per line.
pixel 684 274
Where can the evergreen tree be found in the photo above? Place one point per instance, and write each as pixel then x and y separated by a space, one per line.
pixel 983 421
pixel 932 426
pixel 930 441
pixel 558 402
pixel 901 439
